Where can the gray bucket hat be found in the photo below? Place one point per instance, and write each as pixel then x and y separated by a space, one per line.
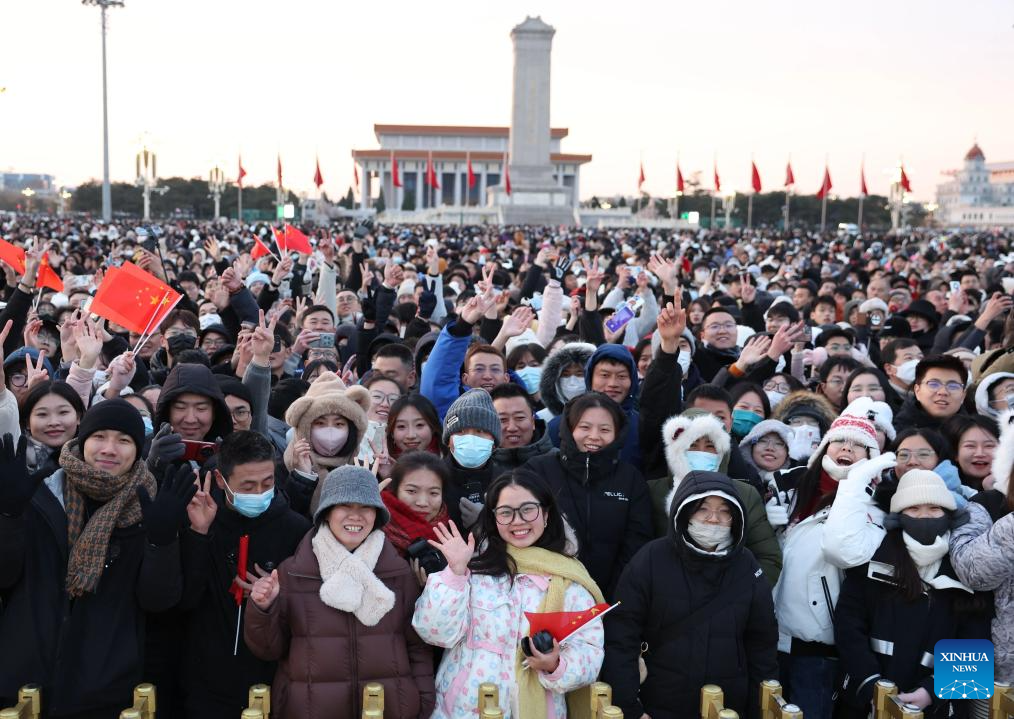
pixel 351 485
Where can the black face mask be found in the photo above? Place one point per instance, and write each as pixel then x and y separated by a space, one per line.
pixel 925 531
pixel 181 342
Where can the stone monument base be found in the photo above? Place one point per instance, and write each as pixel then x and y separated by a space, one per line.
pixel 549 205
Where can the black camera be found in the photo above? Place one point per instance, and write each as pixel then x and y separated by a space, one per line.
pixel 542 640
pixel 430 559
pixel 363 229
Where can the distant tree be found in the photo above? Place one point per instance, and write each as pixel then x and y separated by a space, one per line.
pixel 594 203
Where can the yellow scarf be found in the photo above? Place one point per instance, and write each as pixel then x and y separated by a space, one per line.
pixel 561 570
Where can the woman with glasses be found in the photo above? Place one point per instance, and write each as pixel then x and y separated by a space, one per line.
pixel 779 386
pixel 475 608
pixel 604 500
pixel 384 393
pixel 695 607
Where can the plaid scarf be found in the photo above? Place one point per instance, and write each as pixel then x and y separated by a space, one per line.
pixel 89 540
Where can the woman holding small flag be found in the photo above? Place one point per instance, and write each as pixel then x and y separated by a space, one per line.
pixel 481 607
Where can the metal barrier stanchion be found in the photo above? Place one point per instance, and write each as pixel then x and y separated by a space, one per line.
pixel 144 703
pixel 489 702
pixel 29 704
pixel 713 704
pixel 602 702
pixel 1001 704
pixel 888 706
pixel 249 713
pixel 259 699
pixel 773 704
pixel 373 701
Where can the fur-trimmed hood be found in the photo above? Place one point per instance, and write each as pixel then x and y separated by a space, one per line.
pixel 1003 460
pixel 982 392
pixel 571 353
pixel 808 404
pixel 762 428
pixel 681 431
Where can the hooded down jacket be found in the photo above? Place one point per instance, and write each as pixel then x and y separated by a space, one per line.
pixel 195 379
pixel 806 404
pixel 982 393
pixel 549 385
pixel 670 581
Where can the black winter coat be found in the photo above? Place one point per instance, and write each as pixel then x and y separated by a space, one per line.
pixel 662 587
pixel 465 482
pixel 605 501
pixel 209 565
pixel 87 653
pixel 912 414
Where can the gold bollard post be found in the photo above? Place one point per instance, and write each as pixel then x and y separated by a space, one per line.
pixel 1001 704
pixel 373 701
pixel 489 697
pixel 249 713
pixel 712 699
pixel 888 706
pixel 773 704
pixel 29 704
pixel 144 703
pixel 259 699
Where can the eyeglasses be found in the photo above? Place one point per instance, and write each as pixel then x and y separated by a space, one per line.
pixel 18 379
pixel 835 382
pixel 935 385
pixel 920 455
pixel 388 399
pixel 529 512
pixel 722 326
pixel 240 413
pixel 771 443
pixel 845 444
pixel 782 387
pixel 723 515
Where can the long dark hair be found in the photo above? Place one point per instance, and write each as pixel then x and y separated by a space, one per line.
pixel 60 389
pixel 590 400
pixel 889 394
pixel 429 414
pixel 493 558
pixel 808 490
pixel 906 575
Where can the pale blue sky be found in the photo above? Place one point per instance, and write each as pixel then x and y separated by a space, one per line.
pixel 208 78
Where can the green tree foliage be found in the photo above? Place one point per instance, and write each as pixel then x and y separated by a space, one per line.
pixel 185 198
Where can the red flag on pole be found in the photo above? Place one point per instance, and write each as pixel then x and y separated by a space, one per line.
pixel 279 170
pixel 241 174
pixel 13 255
pixel 905 184
pixel 862 182
pixel 718 180
pixel 562 624
pixel 790 179
pixel 507 172
pixel 825 186
pixel 295 241
pixel 471 175
pixel 355 173
pixel 640 177
pixel 318 179
pixel 260 249
pixel 133 298
pixel 48 277
pixel 679 179
pixel 395 177
pixel 431 172
pixel 755 180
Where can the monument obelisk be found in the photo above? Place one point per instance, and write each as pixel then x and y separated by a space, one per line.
pixel 536 198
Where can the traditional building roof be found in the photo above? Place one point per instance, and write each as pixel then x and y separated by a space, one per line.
pixel 975 153
pixel 477 156
pixel 557 133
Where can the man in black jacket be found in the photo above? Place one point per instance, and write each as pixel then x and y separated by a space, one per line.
pixel 218 671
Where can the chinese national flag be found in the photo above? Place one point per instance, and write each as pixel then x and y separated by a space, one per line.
pixel 562 624
pixel 295 241
pixel 279 170
pixel 640 178
pixel 242 173
pixel 133 298
pixel 431 173
pixel 680 185
pixel 905 184
pixel 862 182
pixel 318 179
pixel 507 173
pixel 471 175
pixel 755 181
pixel 395 177
pixel 718 180
pixel 790 179
pixel 13 256
pixel 48 277
pixel 825 186
pixel 355 174
pixel 259 249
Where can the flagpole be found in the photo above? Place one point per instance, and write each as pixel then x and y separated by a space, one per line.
pixel 862 175
pixel 788 195
pixel 823 198
pixel 147 328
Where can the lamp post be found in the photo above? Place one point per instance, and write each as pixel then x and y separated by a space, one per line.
pixel 63 196
pixel 728 202
pixel 216 186
pixel 29 193
pixel 144 162
pixel 107 197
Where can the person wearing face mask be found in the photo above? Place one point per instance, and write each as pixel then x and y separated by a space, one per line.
pixel 698 441
pixel 696 597
pixel 327 424
pixel 604 499
pixel 472 430
pixel 892 611
pixel 180 331
pixel 749 408
pixel 900 357
pixel 995 394
pixel 563 377
pixel 238 499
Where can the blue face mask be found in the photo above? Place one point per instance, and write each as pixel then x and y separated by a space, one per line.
pixel 743 421
pixel 470 451
pixel 250 505
pixel 702 461
pixel 149 428
pixel 530 376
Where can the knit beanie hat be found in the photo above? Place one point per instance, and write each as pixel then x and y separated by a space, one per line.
pixel 877 412
pixel 848 427
pixel 352 485
pixel 472 410
pixel 115 414
pixel 921 486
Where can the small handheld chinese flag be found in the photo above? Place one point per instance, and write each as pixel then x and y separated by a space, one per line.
pixel 562 624
pixel 48 277
pixel 134 299
pixel 13 255
pixel 241 562
pixel 296 241
pixel 259 249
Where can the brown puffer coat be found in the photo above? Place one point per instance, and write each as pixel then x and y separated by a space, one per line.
pixel 327 656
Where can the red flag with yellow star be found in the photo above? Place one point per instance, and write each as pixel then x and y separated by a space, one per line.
pixel 133 299
pixel 48 277
pixel 562 624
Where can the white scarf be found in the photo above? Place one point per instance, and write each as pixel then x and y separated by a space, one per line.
pixel 927 558
pixel 835 471
pixel 349 582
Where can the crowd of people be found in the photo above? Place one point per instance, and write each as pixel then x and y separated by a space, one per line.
pixel 786 455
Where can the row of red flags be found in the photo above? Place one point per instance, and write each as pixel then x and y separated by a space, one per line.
pixel 287 239
pixel 15 257
pixel 790 179
pixel 430 178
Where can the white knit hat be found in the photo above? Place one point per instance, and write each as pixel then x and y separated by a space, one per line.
pixel 921 486
pixel 849 427
pixel 877 412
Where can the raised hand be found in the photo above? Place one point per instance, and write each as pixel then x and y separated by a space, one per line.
pixel 997 305
pixel 33 260
pixel 666 271
pixel 202 508
pixel 243 265
pixel 282 270
pixel 262 341
pixel 455 549
pixel 785 338
pixel 560 268
pixel 265 591
pixel 432 261
pixel 303 457
pixel 672 321
pixel 232 280
pixel 164 515
pixel 88 338
pixel 35 371
pixel 393 275
pixel 754 351
pixel 17 486
pixel 166 447
pixel 476 307
pixel 121 371
pixel 595 275
pixel 518 321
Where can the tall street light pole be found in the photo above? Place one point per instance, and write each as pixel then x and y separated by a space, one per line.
pixel 107 197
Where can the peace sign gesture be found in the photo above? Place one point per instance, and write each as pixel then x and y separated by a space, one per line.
pixel 36 372
pixel 262 341
pixel 486 284
pixel 455 549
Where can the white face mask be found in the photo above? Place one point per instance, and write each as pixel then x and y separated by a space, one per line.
pixel 710 535
pixel 774 398
pixel 906 371
pixel 701 276
pixel 684 361
pixel 571 387
pixel 210 319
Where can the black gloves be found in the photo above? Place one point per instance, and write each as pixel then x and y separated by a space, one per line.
pixel 164 515
pixel 166 448
pixel 558 270
pixel 427 304
pixel 369 306
pixel 16 485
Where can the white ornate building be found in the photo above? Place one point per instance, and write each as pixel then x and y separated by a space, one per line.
pixel 980 194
